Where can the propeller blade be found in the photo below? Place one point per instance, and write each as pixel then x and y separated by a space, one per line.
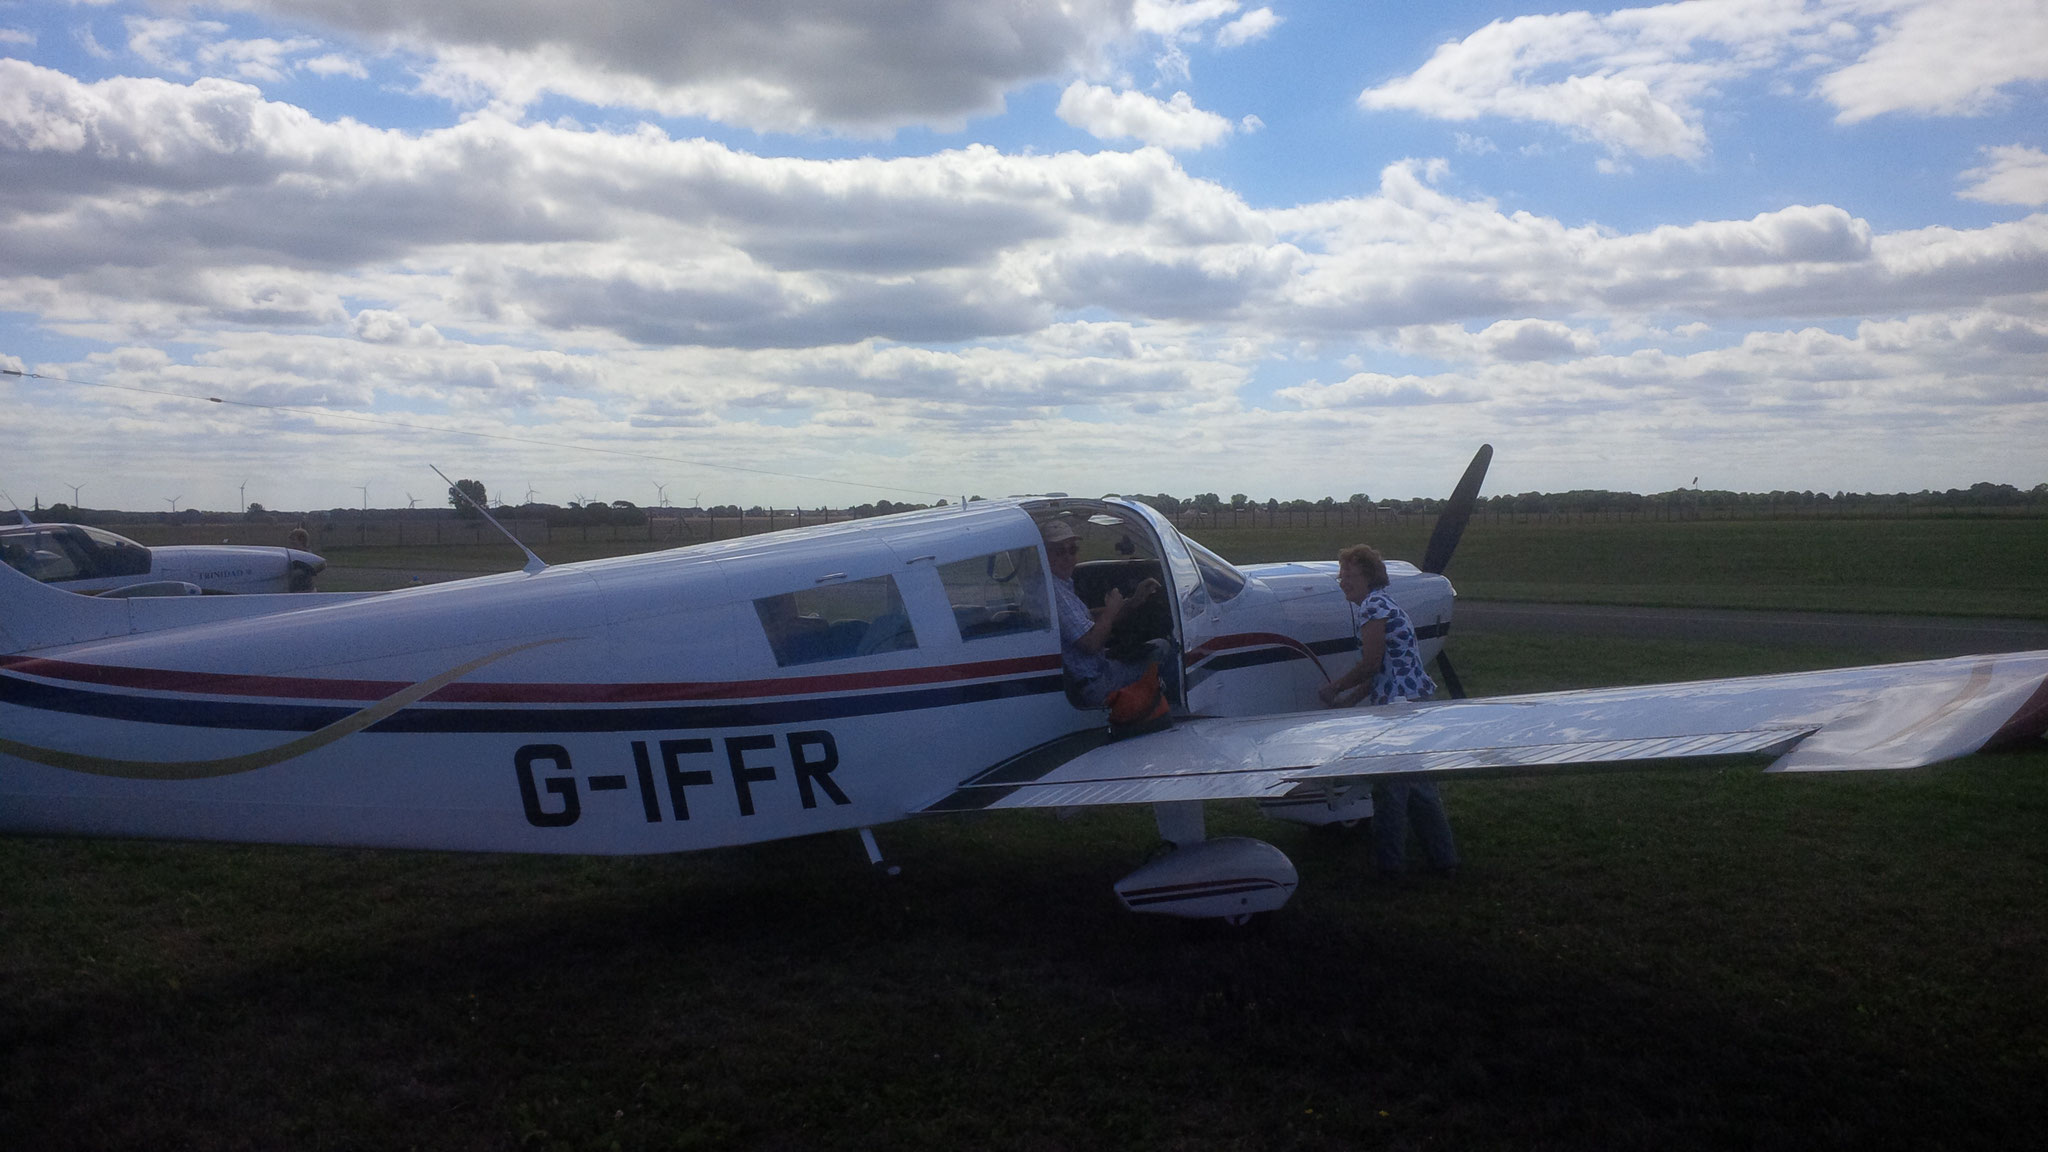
pixel 1450 675
pixel 1457 510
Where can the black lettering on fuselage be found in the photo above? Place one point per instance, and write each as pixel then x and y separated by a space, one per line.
pixel 813 757
pixel 743 776
pixel 671 752
pixel 819 770
pixel 643 768
pixel 563 786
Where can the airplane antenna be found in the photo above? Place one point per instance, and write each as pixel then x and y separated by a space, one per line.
pixel 16 507
pixel 533 563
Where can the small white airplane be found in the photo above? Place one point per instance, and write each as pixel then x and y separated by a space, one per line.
pixel 840 677
pixel 96 562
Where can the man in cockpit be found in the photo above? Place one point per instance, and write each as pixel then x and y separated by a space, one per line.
pixel 1084 632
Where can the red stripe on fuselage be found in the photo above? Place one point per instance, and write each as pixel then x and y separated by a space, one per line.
pixel 1216 646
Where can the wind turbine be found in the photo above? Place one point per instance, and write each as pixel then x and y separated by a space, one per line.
pixel 244 490
pixel 74 493
pixel 173 502
pixel 411 501
pixel 661 494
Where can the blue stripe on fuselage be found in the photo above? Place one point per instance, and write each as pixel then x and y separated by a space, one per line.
pixel 237 714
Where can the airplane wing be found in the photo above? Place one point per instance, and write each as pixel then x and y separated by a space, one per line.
pixel 1887 716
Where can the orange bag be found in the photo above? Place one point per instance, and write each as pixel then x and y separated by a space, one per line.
pixel 1139 706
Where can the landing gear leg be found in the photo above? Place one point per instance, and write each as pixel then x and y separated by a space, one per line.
pixel 867 841
pixel 1180 822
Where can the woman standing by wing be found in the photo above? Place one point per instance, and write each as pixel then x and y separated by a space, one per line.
pixel 1389 668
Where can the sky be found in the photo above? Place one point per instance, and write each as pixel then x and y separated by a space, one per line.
pixel 819 252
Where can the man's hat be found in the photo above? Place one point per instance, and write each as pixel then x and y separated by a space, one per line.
pixel 1056 531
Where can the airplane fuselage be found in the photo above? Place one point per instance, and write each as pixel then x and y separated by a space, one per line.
pixel 834 677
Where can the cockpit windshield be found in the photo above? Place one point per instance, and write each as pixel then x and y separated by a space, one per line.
pixel 1222 580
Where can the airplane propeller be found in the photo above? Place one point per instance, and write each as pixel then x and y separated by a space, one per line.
pixel 1450 526
pixel 1457 510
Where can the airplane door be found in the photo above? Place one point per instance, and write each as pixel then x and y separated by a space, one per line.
pixel 1195 622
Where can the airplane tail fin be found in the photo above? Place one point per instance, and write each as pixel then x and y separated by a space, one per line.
pixel 34 615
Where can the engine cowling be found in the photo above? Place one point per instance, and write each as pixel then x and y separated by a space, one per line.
pixel 1229 878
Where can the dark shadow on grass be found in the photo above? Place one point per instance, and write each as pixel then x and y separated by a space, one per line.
pixel 993 996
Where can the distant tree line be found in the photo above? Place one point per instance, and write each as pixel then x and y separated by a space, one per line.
pixel 1603 502
pixel 1203 507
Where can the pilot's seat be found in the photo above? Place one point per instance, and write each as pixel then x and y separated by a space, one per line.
pixel 1143 636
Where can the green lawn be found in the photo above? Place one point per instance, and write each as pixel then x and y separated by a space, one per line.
pixel 1701 958
pixel 1970 567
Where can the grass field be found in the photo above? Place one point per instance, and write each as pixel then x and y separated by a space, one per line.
pixel 1980 567
pixel 1952 567
pixel 1663 959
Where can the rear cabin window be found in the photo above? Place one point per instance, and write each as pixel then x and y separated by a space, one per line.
pixel 836 622
pixel 1000 594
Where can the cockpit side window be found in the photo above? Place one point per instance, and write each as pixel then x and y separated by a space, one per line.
pixel 1218 576
pixel 115 555
pixel 1000 594
pixel 836 622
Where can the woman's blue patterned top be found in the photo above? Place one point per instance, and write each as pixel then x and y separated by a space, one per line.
pixel 1401 675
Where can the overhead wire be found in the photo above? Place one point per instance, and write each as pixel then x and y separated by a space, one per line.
pixel 329 414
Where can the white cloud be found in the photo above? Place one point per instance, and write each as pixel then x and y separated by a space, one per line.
pixel 1759 413
pixel 90 44
pixel 17 36
pixel 2015 174
pixel 335 64
pixel 161 43
pixel 183 47
pixel 1175 124
pixel 801 65
pixel 144 203
pixel 379 326
pixel 1635 80
pixel 1944 58
pixel 1256 24
pixel 1178 18
pixel 1501 341
pixel 774 307
pixel 1631 82
pixel 261 59
pixel 1519 340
